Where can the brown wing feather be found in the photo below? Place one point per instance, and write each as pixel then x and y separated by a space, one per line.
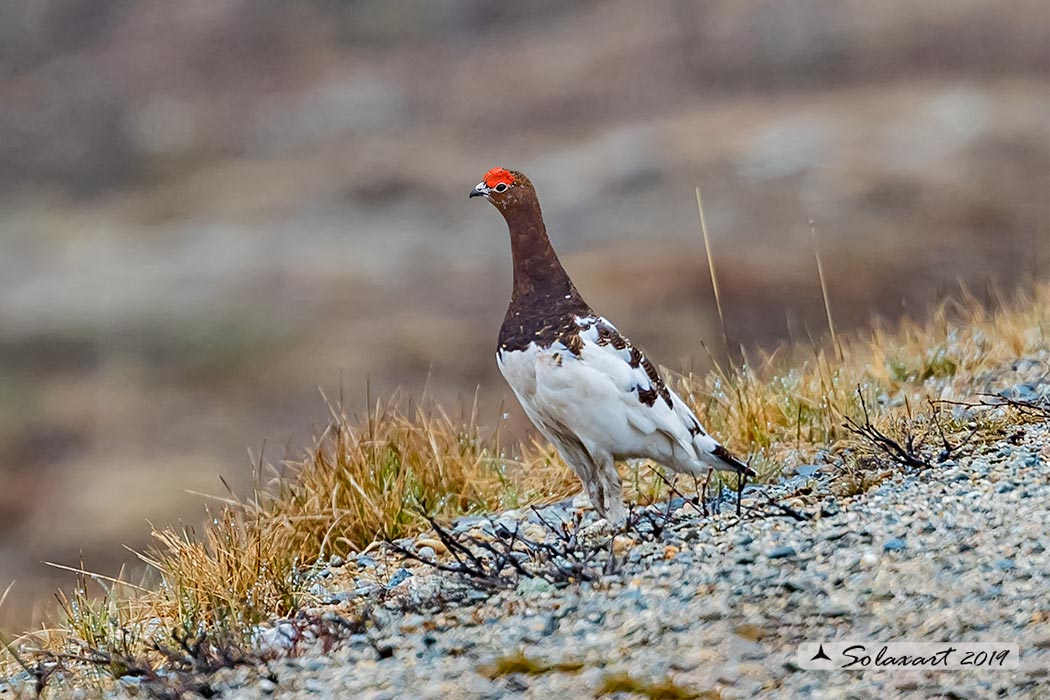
pixel 608 335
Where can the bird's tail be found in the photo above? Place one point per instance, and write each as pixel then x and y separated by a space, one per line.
pixel 731 463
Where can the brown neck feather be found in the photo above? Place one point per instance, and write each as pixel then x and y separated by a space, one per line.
pixel 538 274
pixel 544 304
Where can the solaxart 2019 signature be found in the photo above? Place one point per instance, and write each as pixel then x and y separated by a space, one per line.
pixel 858 654
pixel 869 656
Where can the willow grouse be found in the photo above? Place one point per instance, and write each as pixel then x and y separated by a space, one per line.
pixel 586 387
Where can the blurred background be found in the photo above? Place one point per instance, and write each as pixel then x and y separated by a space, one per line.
pixel 211 208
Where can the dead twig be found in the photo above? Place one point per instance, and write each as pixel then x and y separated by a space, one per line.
pixel 907 454
pixel 778 510
pixel 1026 407
pixel 675 492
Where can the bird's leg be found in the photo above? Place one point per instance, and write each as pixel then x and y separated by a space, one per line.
pixel 698 496
pixel 596 492
pixel 707 482
pixel 606 491
pixel 602 483
pixel 741 481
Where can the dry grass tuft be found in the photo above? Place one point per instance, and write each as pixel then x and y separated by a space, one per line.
pixel 787 406
pixel 377 477
pixel 615 683
pixel 374 479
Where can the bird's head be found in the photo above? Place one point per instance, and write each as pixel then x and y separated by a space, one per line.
pixel 506 189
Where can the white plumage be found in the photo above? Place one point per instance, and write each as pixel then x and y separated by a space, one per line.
pixel 589 406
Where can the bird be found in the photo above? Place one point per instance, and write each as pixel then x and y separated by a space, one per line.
pixel 595 395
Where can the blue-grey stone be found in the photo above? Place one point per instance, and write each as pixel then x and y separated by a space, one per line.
pixel 806 470
pixel 467 522
pixel 834 610
pixel 635 596
pixel 781 552
pixel 527 586
pixel 894 545
pixel 399 577
pixel 830 507
pixel 506 525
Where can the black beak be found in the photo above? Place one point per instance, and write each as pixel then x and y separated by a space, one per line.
pixel 475 193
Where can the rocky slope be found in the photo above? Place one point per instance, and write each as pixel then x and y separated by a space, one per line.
pixel 688 604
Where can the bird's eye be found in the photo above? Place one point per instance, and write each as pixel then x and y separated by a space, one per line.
pixel 501 187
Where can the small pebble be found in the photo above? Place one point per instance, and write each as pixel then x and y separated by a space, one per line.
pixel 829 508
pixel 894 545
pixel 835 610
pixel 437 545
pixel 781 552
pixel 806 470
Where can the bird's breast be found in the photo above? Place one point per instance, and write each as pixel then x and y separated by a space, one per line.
pixel 518 367
pixel 523 368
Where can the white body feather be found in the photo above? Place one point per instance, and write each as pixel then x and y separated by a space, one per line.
pixel 590 407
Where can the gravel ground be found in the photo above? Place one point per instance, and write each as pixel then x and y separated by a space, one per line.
pixel 714 606
pixel 691 604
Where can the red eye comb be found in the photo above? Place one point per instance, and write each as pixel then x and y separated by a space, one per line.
pixel 498 176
